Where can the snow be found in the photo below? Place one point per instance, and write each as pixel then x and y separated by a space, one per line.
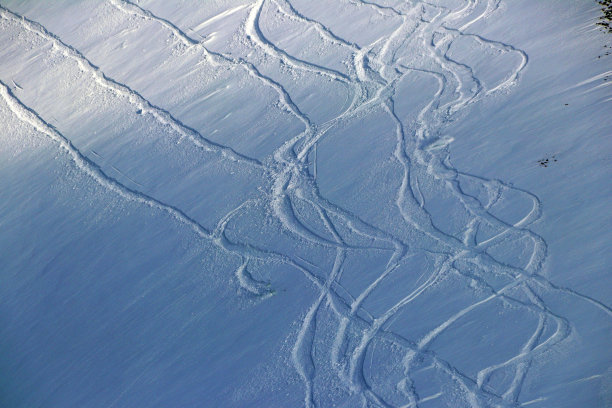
pixel 305 203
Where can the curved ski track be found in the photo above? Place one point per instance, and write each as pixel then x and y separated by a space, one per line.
pixel 422 153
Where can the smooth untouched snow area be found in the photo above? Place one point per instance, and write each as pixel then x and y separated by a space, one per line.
pixel 286 203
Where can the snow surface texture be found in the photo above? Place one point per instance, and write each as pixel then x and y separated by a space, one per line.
pixel 286 203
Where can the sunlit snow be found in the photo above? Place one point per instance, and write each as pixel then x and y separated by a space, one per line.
pixel 305 203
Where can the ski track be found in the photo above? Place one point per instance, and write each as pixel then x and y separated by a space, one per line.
pixel 421 150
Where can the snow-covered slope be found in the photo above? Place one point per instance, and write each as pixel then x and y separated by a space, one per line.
pixel 283 203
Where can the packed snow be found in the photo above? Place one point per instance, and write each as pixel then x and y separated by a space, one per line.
pixel 305 203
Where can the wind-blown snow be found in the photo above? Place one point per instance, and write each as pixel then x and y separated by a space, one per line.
pixel 305 203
